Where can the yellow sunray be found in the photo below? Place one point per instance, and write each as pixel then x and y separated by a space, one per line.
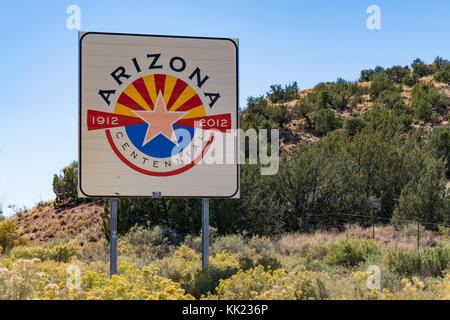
pixel 150 84
pixel 195 112
pixel 168 87
pixel 132 92
pixel 123 110
pixel 185 96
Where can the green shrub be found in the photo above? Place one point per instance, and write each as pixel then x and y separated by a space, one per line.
pixel 397 73
pixel 427 262
pixel 269 262
pixel 352 125
pixel 325 121
pixel 59 253
pixel 207 280
pixel 222 266
pixel 380 83
pixel 425 98
pixel 421 69
pixel 246 263
pixel 410 80
pixel 9 237
pixel 63 252
pixel 158 235
pixel 350 253
pixel 31 252
pixel 443 75
pixel 231 243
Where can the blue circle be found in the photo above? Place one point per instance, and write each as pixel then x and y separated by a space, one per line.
pixel 160 146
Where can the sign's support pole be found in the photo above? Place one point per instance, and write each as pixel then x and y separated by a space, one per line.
pixel 113 238
pixel 205 233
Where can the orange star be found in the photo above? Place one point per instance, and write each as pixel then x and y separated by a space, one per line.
pixel 160 121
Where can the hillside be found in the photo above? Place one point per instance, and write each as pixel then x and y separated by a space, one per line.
pixel 294 132
pixel 45 222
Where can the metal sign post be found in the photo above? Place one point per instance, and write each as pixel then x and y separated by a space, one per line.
pixel 113 238
pixel 205 233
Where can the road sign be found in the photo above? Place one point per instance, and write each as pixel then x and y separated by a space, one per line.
pixel 158 116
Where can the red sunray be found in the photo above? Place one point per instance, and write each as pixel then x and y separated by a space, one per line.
pixel 142 89
pixel 191 103
pixel 128 102
pixel 178 89
pixel 160 82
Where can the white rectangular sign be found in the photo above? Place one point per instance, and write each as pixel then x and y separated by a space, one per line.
pixel 158 116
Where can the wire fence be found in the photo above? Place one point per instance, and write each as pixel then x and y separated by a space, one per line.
pixel 338 220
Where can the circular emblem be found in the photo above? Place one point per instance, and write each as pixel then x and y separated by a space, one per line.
pixel 156 126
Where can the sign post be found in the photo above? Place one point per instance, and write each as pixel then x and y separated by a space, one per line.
pixel 205 233
pixel 113 238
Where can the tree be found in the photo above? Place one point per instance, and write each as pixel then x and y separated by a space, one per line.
pixel 278 94
pixel 439 62
pixel 440 145
pixel 380 83
pixel 420 68
pixel 424 100
pixel 317 180
pixel 397 73
pixel 366 75
pixel 443 74
pixel 423 198
pixel 65 184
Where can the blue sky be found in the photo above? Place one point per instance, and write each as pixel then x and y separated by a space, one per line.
pixel 280 41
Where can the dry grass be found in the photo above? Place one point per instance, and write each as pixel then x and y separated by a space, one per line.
pixel 44 223
pixel 386 236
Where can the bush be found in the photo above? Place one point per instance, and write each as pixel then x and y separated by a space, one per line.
pixel 424 100
pixel 410 80
pixel 222 266
pixel 269 262
pixel 350 253
pixel 59 253
pixel 420 68
pixel 325 121
pixel 352 125
pixel 428 262
pixel 158 235
pixel 397 73
pixel 131 284
pixel 9 237
pixel 280 115
pixel 260 284
pixel 380 83
pixel 231 243
pixel 443 75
